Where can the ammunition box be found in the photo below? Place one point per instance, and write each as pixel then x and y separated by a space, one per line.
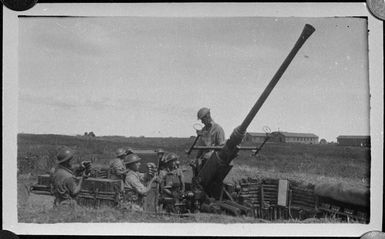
pixel 44 179
pixel 98 192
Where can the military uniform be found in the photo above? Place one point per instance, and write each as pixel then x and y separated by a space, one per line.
pixel 171 183
pixel 117 169
pixel 171 187
pixel 134 190
pixel 212 135
pixel 172 180
pixel 63 182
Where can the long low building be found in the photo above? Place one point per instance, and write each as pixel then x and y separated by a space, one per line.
pixel 255 137
pixel 289 137
pixel 353 140
pixel 283 137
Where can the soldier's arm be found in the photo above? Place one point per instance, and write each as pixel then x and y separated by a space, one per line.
pixel 138 185
pixel 121 171
pixel 72 187
pixel 119 168
pixel 144 177
pixel 220 136
pixel 165 189
pixel 78 171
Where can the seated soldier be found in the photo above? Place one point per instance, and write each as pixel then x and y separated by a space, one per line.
pixel 136 184
pixel 64 187
pixel 117 168
pixel 172 181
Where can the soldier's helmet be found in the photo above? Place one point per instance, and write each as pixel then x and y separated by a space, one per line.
pixel 170 157
pixel 64 154
pixel 129 151
pixel 203 112
pixel 120 152
pixel 132 158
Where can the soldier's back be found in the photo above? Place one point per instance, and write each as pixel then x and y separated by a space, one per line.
pixel 63 185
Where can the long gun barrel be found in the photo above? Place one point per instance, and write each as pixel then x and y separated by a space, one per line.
pixel 217 167
pixel 238 134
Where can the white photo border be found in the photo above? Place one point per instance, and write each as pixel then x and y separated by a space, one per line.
pixel 10 98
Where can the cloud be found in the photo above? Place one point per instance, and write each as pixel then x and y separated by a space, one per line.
pixel 67 103
pixel 78 37
pixel 146 105
pixel 42 100
pixel 105 103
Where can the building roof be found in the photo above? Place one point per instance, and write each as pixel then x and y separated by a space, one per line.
pixel 256 134
pixel 353 137
pixel 290 134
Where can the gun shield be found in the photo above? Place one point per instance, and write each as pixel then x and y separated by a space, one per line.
pixel 212 174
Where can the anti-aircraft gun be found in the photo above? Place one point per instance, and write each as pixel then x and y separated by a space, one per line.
pixel 210 177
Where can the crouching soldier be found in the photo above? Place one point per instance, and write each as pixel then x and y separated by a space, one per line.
pixel 172 182
pixel 136 185
pixel 64 185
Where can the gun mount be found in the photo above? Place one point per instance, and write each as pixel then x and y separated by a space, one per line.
pixel 213 172
pixel 254 149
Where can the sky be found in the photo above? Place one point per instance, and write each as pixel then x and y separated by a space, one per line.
pixel 148 76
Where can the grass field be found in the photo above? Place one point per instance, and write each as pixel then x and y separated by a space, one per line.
pixel 304 163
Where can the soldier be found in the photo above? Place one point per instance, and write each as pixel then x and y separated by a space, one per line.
pixel 134 185
pixel 172 182
pixel 170 175
pixel 64 187
pixel 212 134
pixel 160 154
pixel 117 167
pixel 129 151
pixel 170 167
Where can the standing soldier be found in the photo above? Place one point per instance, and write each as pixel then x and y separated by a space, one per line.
pixel 136 185
pixel 65 189
pixel 212 134
pixel 117 168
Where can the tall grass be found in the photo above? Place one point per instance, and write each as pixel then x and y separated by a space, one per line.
pixel 39 209
pixel 323 160
pixel 302 163
pixel 36 154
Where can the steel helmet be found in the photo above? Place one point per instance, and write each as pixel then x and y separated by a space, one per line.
pixel 129 151
pixel 120 152
pixel 170 157
pixel 64 155
pixel 132 158
pixel 203 112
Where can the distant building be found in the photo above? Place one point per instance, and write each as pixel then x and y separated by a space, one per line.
pixel 288 137
pixel 284 137
pixel 353 140
pixel 255 137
